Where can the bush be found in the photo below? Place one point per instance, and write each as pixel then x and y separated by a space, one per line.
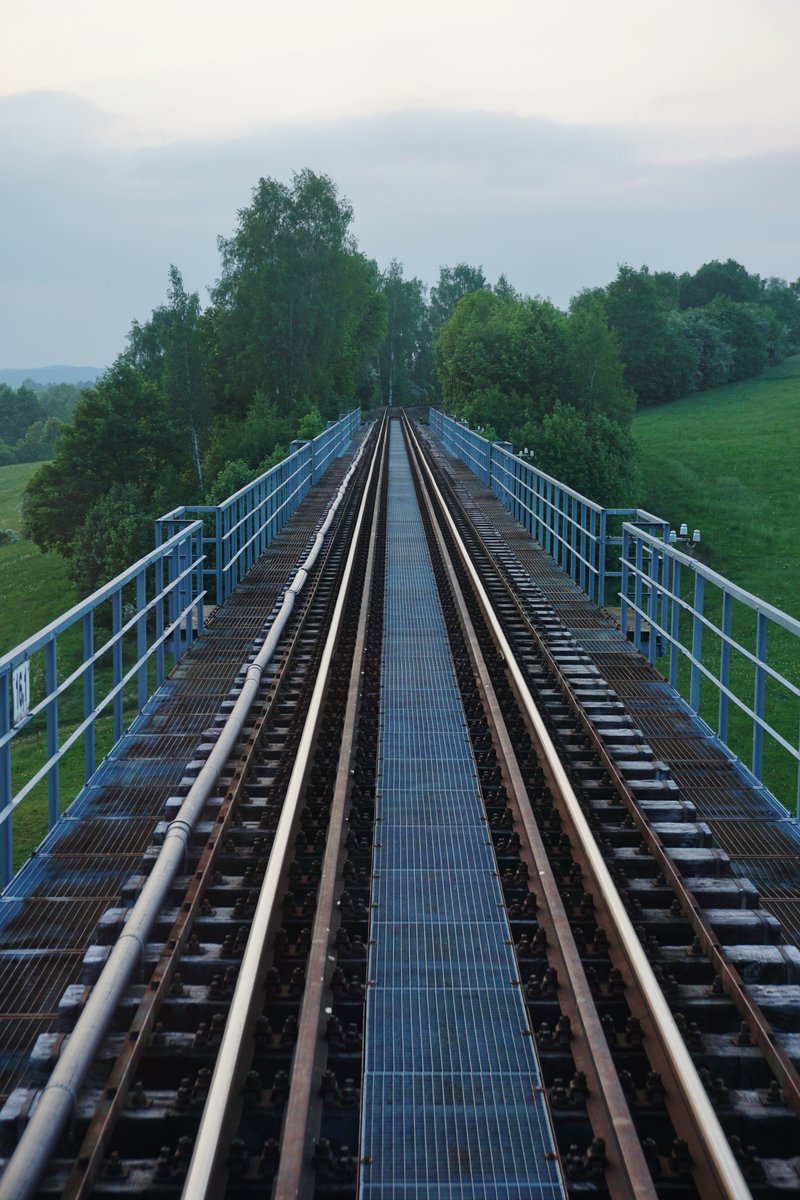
pixel 233 476
pixel 714 356
pixel 116 532
pixel 593 455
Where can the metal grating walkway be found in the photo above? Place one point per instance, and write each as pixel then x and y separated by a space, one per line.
pixel 451 1101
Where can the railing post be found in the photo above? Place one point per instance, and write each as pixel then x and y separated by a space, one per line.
pixel 160 655
pixel 51 686
pixel 638 595
pixel 116 661
pixel 6 830
pixel 220 596
pixel 624 582
pixel 652 607
pixel 697 642
pixel 573 537
pixel 725 665
pixel 185 593
pixel 665 560
pixel 758 696
pixel 88 696
pixel 141 640
pixel 197 553
pixel 675 625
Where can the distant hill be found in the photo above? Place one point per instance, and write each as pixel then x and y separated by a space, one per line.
pixel 14 376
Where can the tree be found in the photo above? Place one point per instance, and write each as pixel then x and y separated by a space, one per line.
pixel 116 531
pixel 659 362
pixel 122 434
pixel 18 411
pixel 784 300
pixel 591 454
pixel 39 441
pixel 714 279
pixel 454 283
pixel 249 439
pixel 170 351
pixel 713 355
pixel 596 373
pixel 297 314
pixel 404 359
pixel 744 333
pixel 514 349
pixel 311 425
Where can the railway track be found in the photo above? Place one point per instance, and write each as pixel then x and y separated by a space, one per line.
pixel 238 1057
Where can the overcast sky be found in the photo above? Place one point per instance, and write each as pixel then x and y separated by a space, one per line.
pixel 547 140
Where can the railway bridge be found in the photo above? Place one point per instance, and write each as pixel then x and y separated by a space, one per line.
pixel 401 840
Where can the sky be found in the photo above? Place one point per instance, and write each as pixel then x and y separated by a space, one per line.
pixel 550 141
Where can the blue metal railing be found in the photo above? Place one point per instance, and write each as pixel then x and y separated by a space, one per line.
pixel 571 528
pixel 108 654
pixel 670 604
pixel 677 605
pixel 239 529
pixel 119 641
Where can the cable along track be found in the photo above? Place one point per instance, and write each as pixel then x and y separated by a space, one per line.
pixel 250 758
pixel 238 1069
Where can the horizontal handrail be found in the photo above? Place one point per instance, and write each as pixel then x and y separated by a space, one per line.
pixel 577 532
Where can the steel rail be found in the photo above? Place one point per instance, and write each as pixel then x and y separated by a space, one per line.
pixel 295 1175
pixel 206 1169
pixel 777 1058
pixel 714 1166
pixel 58 1100
pixel 101 1126
pixel 628 1176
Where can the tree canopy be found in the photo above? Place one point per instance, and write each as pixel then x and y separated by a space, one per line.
pixel 301 325
pixel 297 313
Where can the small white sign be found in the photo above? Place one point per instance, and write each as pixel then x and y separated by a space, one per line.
pixel 21 691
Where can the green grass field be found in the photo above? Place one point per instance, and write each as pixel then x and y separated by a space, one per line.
pixel 34 587
pixel 727 462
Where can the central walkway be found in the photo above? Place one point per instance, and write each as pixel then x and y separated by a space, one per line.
pixel 451 1100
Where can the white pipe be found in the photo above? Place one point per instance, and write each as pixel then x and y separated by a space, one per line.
pixel 58 1100
pixel 248 996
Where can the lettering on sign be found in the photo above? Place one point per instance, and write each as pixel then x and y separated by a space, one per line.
pixel 21 691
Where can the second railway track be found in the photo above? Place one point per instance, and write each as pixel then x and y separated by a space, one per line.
pixel 246 1057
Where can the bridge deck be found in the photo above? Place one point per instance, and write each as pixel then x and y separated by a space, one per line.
pixel 452 1104
pixel 763 844
pixel 78 872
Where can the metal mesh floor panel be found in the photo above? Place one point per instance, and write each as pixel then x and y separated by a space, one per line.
pixel 451 1102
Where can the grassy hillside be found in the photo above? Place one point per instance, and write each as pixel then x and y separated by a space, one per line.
pixel 727 462
pixel 34 587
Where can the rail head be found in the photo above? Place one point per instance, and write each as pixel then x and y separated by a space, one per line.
pixel 723 1177
pixel 206 1168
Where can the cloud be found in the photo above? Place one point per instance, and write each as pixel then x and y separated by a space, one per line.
pixel 89 220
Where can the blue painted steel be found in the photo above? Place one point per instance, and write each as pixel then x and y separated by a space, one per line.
pixel 572 529
pixel 451 1104
pixel 134 601
pixel 659 577
pixel 241 527
pixel 583 537
pixel 154 609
